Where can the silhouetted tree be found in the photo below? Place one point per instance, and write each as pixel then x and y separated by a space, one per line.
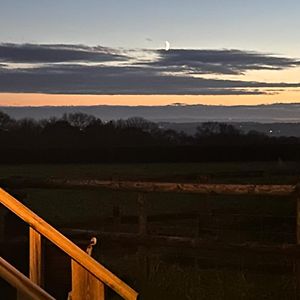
pixel 79 119
pixel 6 122
pixel 83 138
pixel 215 128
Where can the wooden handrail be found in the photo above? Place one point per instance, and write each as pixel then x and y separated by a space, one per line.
pixel 67 246
pixel 21 282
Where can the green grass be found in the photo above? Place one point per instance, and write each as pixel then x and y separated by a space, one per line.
pixel 79 207
pixel 167 279
pixel 267 172
pixel 85 209
pixel 156 277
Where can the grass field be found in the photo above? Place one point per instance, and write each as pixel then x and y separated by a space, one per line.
pixel 256 172
pixel 173 274
pixel 164 275
pixel 84 208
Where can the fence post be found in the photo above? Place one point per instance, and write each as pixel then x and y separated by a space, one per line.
pixel 117 217
pixel 142 214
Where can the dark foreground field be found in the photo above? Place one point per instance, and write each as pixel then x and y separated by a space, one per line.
pixel 247 172
pixel 171 272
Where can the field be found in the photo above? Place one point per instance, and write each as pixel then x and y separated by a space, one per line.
pixel 256 172
pixel 64 206
pixel 167 273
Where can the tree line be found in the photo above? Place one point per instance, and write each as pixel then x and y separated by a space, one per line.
pixel 78 137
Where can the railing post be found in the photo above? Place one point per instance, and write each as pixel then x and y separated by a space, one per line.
pixel 35 257
pixel 142 214
pixel 100 273
pixel 84 284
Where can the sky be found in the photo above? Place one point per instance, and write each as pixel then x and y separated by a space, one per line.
pixel 79 52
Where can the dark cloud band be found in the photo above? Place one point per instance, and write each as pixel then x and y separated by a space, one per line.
pixel 70 79
pixel 234 62
pixel 79 69
pixel 29 53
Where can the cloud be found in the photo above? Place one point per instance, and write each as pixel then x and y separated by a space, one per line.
pixel 78 79
pixel 80 69
pixel 234 62
pixel 35 53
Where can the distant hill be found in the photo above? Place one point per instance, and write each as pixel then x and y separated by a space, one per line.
pixel 270 129
pixel 274 113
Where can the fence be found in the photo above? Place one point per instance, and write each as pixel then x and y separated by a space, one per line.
pixel 290 192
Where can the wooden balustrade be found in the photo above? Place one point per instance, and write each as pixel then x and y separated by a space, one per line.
pixel 35 257
pixel 39 227
pixel 26 287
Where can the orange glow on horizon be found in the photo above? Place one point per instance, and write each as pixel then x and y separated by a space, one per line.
pixel 23 99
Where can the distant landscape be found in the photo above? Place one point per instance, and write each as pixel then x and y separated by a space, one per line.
pixel 149 150
pixel 177 112
pixel 272 120
pixel 84 138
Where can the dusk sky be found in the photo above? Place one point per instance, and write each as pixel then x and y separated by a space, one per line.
pixel 75 52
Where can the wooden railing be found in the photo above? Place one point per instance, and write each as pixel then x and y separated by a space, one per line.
pixel 38 228
pixel 24 285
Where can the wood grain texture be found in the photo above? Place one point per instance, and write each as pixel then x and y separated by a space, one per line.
pixel 81 257
pixel 28 289
pixel 85 286
pixel 35 257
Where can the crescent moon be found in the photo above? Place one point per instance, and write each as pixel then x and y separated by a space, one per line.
pixel 167 47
